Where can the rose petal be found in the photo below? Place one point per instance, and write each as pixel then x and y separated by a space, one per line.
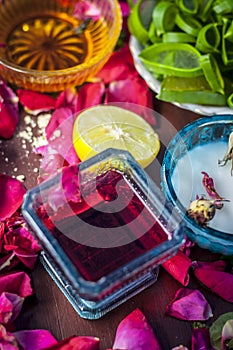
pixel 201 339
pixel 220 282
pixel 11 194
pixel 35 102
pixel 178 266
pixel 68 99
pixel 16 283
pixel 68 189
pixel 59 135
pixel 90 95
pixel 9 111
pixel 119 66
pixel 7 340
pixel 10 307
pixel 36 339
pixel 22 243
pixel 84 10
pixel 79 343
pixel 133 92
pixel 189 305
pixel 135 333
pixel 180 347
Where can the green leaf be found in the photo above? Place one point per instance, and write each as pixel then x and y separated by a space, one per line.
pixel 216 329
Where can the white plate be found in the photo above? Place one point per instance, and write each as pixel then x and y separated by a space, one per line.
pixel 154 84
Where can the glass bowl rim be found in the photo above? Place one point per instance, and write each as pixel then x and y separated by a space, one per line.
pixel 166 176
pixel 77 68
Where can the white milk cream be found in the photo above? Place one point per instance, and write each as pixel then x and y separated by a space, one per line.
pixel 187 181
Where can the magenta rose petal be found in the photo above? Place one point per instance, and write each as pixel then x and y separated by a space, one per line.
pixel 178 267
pixel 7 340
pixel 189 305
pixel 10 307
pixel 35 102
pixel 201 339
pixel 11 193
pixel 9 111
pixel 16 283
pixel 220 282
pixel 135 333
pixel 79 343
pixel 36 339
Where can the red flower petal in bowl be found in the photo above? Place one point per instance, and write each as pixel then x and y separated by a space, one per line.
pixel 189 305
pixel 219 281
pixel 9 111
pixel 11 194
pixel 135 333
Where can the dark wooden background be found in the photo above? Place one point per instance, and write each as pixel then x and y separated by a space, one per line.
pixel 48 308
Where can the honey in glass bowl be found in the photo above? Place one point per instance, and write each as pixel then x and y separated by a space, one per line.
pixel 44 46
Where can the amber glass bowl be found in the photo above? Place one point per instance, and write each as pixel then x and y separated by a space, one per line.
pixel 49 45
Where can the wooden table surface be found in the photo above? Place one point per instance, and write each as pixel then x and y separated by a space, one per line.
pixel 49 309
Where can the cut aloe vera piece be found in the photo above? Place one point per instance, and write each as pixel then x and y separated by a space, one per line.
pixel 181 60
pixel 190 90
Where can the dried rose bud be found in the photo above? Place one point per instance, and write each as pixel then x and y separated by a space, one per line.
pixel 202 210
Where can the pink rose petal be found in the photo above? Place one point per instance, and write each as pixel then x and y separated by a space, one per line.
pixel 16 283
pixel 90 95
pixel 35 102
pixel 119 66
pixel 180 347
pixel 135 333
pixel 59 135
pixel 22 243
pixel 7 340
pixel 189 305
pixel 9 111
pixel 10 307
pixel 201 339
pixel 178 266
pixel 36 339
pixel 135 94
pixel 77 343
pixel 220 282
pixel 84 10
pixel 11 194
pixel 68 99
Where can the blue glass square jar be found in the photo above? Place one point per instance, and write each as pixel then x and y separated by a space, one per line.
pixel 104 228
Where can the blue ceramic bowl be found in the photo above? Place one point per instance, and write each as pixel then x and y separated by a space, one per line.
pixel 198 133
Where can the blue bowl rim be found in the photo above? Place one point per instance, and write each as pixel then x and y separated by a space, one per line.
pixel 166 180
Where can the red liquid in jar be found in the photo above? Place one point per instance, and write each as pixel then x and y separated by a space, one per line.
pixel 117 206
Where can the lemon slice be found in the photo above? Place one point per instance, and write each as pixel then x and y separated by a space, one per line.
pixel 101 127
